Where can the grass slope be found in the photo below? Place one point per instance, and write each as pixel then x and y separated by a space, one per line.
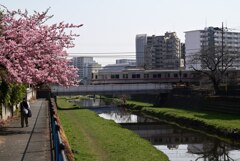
pixel 227 124
pixel 95 139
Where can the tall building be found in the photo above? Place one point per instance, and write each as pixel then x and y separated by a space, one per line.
pixel 163 52
pixel 211 38
pixel 86 67
pixel 141 41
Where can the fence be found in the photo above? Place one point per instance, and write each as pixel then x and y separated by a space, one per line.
pixel 58 145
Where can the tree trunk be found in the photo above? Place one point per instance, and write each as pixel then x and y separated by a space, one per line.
pixel 216 87
pixel 12 110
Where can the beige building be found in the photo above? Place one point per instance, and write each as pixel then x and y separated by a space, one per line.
pixel 162 52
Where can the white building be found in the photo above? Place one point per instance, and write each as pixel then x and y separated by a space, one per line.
pixel 86 67
pixel 210 37
pixel 141 41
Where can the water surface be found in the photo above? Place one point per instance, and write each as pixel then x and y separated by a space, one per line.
pixel 177 143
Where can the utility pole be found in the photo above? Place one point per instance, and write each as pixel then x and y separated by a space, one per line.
pixel 222 45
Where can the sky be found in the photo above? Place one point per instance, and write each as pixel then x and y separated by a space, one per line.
pixel 110 26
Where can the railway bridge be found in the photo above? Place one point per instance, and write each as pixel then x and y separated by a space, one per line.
pixel 111 89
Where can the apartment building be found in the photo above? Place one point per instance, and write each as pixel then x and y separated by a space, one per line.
pixel 163 52
pixel 211 38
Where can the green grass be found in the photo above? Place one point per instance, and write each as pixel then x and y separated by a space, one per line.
pixel 219 120
pixel 94 139
pixel 212 121
pixel 144 104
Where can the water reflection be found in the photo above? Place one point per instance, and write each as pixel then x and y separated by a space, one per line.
pixel 177 143
pixel 184 145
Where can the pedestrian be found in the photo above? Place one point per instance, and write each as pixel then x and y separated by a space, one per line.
pixel 24 109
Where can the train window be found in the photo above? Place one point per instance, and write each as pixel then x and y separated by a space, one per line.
pixel 185 75
pixel 159 75
pixel 125 75
pixel 115 76
pixel 175 75
pixel 167 75
pixel 146 75
pixel 135 75
pixel 154 75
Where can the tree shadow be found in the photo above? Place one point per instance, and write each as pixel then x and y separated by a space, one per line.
pixel 71 108
pixel 219 116
pixel 4 131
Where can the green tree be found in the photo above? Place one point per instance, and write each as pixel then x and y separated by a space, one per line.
pixel 17 92
pixel 11 94
pixel 5 92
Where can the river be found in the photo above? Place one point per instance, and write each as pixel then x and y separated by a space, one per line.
pixel 179 144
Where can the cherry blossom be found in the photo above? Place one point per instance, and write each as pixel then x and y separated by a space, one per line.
pixel 33 52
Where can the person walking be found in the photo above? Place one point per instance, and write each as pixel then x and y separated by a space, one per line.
pixel 24 110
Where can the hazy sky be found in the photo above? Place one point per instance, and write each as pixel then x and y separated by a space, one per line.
pixel 110 26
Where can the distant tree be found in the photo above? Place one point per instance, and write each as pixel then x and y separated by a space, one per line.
pixel 214 62
pixel 32 52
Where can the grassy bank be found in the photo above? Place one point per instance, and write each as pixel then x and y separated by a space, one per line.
pixel 226 125
pixel 95 139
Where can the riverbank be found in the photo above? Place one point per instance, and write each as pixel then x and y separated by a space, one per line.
pixel 93 138
pixel 217 124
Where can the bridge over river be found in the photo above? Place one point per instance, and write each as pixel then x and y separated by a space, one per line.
pixel 111 89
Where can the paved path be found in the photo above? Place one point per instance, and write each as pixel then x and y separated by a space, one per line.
pixel 29 143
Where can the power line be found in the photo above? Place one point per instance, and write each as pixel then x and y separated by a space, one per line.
pixel 103 56
pixel 76 53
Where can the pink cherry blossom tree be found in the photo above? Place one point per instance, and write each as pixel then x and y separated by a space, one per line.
pixel 32 52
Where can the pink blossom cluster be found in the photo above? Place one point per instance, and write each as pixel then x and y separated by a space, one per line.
pixel 34 53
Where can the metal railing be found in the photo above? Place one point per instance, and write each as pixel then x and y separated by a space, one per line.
pixel 58 145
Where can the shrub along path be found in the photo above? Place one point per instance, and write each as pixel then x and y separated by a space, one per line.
pixel 94 139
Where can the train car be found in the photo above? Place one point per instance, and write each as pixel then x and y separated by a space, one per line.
pixel 145 76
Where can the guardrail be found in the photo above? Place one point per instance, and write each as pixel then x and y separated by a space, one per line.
pixel 57 143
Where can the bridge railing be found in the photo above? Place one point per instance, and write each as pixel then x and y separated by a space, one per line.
pixel 58 145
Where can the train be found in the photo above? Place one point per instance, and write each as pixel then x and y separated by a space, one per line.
pixel 134 76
